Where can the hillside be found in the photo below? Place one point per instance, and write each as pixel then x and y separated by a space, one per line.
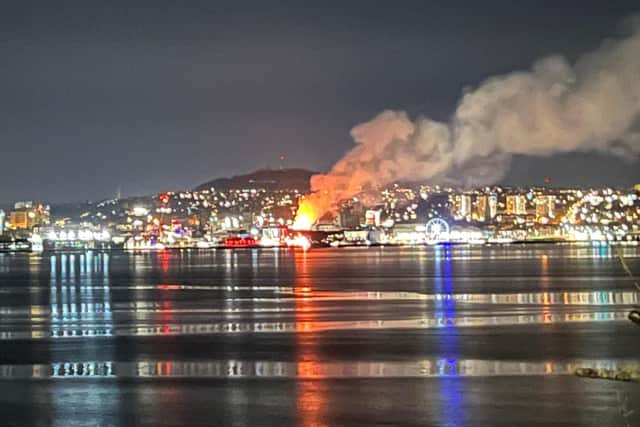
pixel 272 179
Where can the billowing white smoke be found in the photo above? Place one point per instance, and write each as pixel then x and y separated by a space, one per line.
pixel 555 107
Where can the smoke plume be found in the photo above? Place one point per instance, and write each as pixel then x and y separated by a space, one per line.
pixel 556 107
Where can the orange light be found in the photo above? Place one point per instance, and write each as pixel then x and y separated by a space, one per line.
pixel 298 241
pixel 310 209
pixel 305 217
pixel 302 222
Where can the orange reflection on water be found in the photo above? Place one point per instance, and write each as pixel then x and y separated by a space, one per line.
pixel 311 399
pixel 308 370
pixel 164 368
pixel 545 280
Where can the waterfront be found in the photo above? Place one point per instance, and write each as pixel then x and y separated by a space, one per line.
pixel 442 335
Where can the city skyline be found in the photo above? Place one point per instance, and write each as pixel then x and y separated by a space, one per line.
pixel 542 181
pixel 268 210
pixel 197 95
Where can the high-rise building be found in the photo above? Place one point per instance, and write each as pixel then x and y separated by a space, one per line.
pixel 516 204
pixel 461 206
pixel 479 212
pixel 545 208
pixel 1 221
pixel 493 206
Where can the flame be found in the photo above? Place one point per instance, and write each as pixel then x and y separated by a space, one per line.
pixel 309 211
pixel 305 217
pixel 299 241
pixel 311 208
pixel 303 222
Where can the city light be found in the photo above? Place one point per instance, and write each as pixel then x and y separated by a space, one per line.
pixel 397 215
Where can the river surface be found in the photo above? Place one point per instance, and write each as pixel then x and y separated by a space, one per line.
pixel 442 336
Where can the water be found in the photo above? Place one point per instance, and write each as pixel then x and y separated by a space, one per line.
pixel 477 336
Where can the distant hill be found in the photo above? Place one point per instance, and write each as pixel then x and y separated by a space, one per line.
pixel 272 179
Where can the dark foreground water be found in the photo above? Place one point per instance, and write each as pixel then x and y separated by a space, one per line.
pixel 480 336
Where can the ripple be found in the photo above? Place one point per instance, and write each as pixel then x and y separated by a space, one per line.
pixel 84 330
pixel 423 368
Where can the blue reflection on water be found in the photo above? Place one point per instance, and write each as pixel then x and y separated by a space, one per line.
pixel 73 304
pixel 445 309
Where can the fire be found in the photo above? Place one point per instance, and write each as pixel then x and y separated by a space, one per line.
pixel 306 216
pixel 310 209
pixel 299 241
pixel 303 222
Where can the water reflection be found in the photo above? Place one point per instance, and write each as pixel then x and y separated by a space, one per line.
pixel 77 311
pixel 311 398
pixel 445 310
pixel 422 368
pixel 80 306
pixel 79 331
pixel 79 297
pixel 80 303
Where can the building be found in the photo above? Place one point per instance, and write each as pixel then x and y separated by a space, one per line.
pixel 461 206
pixel 545 208
pixel 1 221
pixel 27 215
pixel 351 215
pixel 480 205
pixel 516 204
pixel 493 206
pixel 372 217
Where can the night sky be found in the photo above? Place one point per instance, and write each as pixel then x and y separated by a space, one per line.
pixel 160 95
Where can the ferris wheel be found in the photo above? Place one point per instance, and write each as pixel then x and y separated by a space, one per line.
pixel 436 229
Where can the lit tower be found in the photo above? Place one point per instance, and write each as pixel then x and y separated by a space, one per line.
pixel 545 208
pixel 493 206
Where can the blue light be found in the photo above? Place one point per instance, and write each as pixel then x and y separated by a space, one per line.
pixel 450 388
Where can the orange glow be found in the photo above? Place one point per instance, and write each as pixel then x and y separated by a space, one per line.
pixel 312 397
pixel 545 280
pixel 298 241
pixel 306 216
pixel 302 222
pixel 310 209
